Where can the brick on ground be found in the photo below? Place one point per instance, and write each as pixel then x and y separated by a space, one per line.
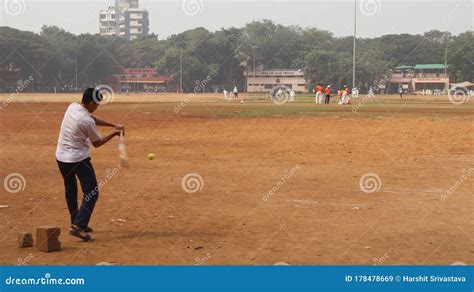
pixel 25 239
pixel 47 238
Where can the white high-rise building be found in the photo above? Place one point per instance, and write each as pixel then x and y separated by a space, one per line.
pixel 129 4
pixel 131 21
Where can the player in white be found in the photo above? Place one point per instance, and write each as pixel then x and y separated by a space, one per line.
pixel 371 94
pixel 226 94
pixel 355 92
pixel 400 92
pixel 292 95
pixel 344 96
pixel 236 92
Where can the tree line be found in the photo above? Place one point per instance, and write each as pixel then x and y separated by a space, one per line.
pixel 54 57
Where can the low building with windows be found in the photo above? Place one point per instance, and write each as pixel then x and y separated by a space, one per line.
pixel 418 78
pixel 265 80
pixel 143 80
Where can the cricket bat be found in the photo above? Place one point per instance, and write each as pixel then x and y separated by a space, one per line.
pixel 122 153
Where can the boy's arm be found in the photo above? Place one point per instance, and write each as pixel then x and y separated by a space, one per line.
pixel 106 139
pixel 100 122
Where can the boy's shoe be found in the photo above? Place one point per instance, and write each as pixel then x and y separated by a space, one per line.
pixel 80 233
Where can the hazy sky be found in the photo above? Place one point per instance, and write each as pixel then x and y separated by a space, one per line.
pixel 375 17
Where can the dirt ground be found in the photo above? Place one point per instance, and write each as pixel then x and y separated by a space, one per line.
pixel 279 183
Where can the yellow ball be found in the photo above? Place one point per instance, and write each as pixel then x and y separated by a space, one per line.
pixel 151 156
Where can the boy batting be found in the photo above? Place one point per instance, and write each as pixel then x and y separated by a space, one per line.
pixel 78 132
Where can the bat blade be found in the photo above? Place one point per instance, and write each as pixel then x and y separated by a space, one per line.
pixel 122 152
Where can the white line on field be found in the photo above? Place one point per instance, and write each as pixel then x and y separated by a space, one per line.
pixel 325 204
pixel 410 191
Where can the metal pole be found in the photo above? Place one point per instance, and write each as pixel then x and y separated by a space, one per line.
pixel 354 47
pixel 254 63
pixel 76 73
pixel 180 70
pixel 254 79
pixel 446 59
pixel 446 65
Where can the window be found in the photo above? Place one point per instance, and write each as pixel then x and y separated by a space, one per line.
pixel 268 86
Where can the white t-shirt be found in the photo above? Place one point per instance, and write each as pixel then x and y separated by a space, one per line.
pixel 78 130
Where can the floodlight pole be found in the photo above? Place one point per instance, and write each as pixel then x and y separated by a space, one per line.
pixel 446 63
pixel 180 70
pixel 254 64
pixel 446 59
pixel 354 46
pixel 76 73
pixel 254 77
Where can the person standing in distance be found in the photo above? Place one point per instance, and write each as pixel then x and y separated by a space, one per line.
pixel 236 92
pixel 78 132
pixel 319 94
pixel 328 94
pixel 400 91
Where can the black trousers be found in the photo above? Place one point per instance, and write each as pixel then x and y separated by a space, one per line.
pixel 86 174
pixel 328 98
